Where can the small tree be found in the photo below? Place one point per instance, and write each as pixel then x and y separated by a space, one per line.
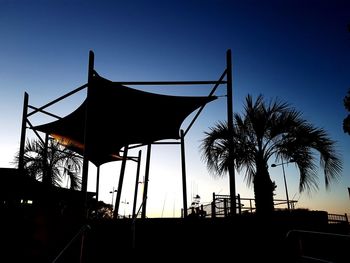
pixel 60 162
pixel 101 210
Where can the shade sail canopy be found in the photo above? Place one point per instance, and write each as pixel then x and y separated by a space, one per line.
pixel 118 116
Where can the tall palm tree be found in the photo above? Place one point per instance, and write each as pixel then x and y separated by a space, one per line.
pixel 60 162
pixel 270 130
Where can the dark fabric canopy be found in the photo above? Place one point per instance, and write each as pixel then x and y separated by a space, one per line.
pixel 117 116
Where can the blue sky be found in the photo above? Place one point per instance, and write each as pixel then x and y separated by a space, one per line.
pixel 297 51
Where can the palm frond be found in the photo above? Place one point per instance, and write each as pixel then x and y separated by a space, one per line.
pixel 267 130
pixel 58 158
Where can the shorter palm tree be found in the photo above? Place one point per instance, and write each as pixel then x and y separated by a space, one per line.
pixel 60 162
pixel 265 131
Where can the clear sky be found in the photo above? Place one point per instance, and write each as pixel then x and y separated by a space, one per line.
pixel 297 51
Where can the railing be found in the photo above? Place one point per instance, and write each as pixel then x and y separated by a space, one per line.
pixel 201 211
pixel 81 233
pixel 221 205
pixel 338 219
pixel 310 246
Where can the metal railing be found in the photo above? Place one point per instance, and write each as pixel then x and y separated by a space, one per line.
pixel 221 206
pixel 80 233
pixel 338 219
pixel 312 246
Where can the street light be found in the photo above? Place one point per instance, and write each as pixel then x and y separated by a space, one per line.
pixel 112 192
pixel 284 178
pixel 126 203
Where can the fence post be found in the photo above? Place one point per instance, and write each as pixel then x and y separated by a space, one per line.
pixel 225 206
pixel 213 209
pixel 239 204
pixel 213 212
pixel 202 213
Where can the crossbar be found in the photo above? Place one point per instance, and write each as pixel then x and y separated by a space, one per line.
pixel 58 99
pixel 145 83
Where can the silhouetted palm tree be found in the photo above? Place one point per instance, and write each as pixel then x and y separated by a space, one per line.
pixel 60 162
pixel 270 130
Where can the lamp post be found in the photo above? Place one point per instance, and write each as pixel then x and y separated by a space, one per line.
pixel 125 203
pixel 112 192
pixel 284 178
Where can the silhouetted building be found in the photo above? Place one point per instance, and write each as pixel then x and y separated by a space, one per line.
pixel 17 191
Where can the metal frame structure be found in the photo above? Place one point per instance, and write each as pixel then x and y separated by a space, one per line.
pixel 227 73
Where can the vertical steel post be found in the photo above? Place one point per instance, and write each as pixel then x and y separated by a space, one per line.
pixel 239 204
pixel 136 184
pixel 23 134
pixel 225 206
pixel 84 180
pixel 97 182
pixel 231 169
pixel 213 212
pixel 145 186
pixel 183 166
pixel 285 186
pixel 120 184
pixel 47 178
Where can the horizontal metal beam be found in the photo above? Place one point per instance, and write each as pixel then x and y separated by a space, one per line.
pixel 140 145
pixel 58 99
pixel 204 82
pixel 165 142
pixel 201 108
pixel 45 112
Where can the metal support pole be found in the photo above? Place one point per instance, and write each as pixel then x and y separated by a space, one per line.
pixel 23 134
pixel 84 180
pixel 145 186
pixel 231 169
pixel 225 207
pixel 97 182
pixel 183 166
pixel 213 212
pixel 239 204
pixel 136 185
pixel 112 192
pixel 285 185
pixel 47 180
pixel 120 184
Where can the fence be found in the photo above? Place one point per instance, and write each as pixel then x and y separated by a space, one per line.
pixel 221 206
pixel 338 219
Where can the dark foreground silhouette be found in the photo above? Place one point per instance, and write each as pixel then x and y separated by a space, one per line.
pixel 38 236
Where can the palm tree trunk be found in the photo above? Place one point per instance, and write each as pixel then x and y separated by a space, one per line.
pixel 263 191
